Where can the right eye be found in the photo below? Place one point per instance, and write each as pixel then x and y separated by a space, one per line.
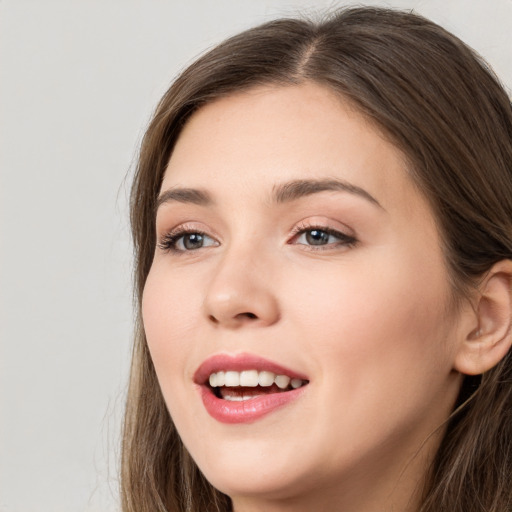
pixel 185 241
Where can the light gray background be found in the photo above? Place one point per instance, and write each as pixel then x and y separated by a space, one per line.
pixel 78 81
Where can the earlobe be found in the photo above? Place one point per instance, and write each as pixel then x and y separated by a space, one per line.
pixel 488 343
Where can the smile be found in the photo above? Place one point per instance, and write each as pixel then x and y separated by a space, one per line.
pixel 230 385
pixel 244 388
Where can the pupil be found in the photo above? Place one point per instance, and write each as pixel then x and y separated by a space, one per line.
pixel 193 241
pixel 317 237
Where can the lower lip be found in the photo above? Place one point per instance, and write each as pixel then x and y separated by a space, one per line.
pixel 246 411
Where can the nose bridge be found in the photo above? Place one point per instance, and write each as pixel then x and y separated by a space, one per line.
pixel 241 290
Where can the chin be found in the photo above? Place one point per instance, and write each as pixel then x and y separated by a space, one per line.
pixel 255 481
pixel 253 471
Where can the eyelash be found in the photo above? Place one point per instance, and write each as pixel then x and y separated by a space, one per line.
pixel 169 240
pixel 344 240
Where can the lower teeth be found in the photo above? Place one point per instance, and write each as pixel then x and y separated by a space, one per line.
pixel 234 398
pixel 240 394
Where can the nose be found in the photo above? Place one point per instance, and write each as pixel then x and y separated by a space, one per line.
pixel 241 293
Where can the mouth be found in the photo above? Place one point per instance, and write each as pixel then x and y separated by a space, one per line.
pixel 243 388
pixel 237 386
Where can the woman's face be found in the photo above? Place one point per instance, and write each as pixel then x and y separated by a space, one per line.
pixel 293 246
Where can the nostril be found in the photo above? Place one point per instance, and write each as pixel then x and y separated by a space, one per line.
pixel 247 315
pixel 240 317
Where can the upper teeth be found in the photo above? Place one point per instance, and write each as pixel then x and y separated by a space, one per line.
pixel 252 378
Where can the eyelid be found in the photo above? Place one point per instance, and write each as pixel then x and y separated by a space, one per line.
pixel 324 224
pixel 345 235
pixel 167 239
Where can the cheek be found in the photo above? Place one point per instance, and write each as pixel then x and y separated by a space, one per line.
pixel 170 323
pixel 168 318
pixel 368 298
pixel 377 338
pixel 373 318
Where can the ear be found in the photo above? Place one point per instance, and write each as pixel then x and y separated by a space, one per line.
pixel 489 339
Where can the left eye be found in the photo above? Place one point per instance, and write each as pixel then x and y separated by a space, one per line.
pixel 318 237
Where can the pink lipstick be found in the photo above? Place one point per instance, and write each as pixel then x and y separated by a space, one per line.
pixel 243 388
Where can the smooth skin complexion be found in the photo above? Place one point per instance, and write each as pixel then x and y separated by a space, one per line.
pixel 342 280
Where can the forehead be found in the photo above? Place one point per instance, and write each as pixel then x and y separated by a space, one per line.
pixel 272 134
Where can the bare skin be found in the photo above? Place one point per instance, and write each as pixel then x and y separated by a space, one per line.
pixel 365 313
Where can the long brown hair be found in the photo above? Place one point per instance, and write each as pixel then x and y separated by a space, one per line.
pixel 440 104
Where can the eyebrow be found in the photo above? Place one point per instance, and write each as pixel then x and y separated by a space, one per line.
pixel 296 189
pixel 184 195
pixel 282 193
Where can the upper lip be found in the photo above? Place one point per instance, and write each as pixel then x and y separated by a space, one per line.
pixel 241 362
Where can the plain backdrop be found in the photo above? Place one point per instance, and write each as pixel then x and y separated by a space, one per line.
pixel 78 82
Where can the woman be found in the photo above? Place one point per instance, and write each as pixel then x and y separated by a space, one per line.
pixel 322 224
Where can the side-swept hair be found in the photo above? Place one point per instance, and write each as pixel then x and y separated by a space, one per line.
pixel 440 104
